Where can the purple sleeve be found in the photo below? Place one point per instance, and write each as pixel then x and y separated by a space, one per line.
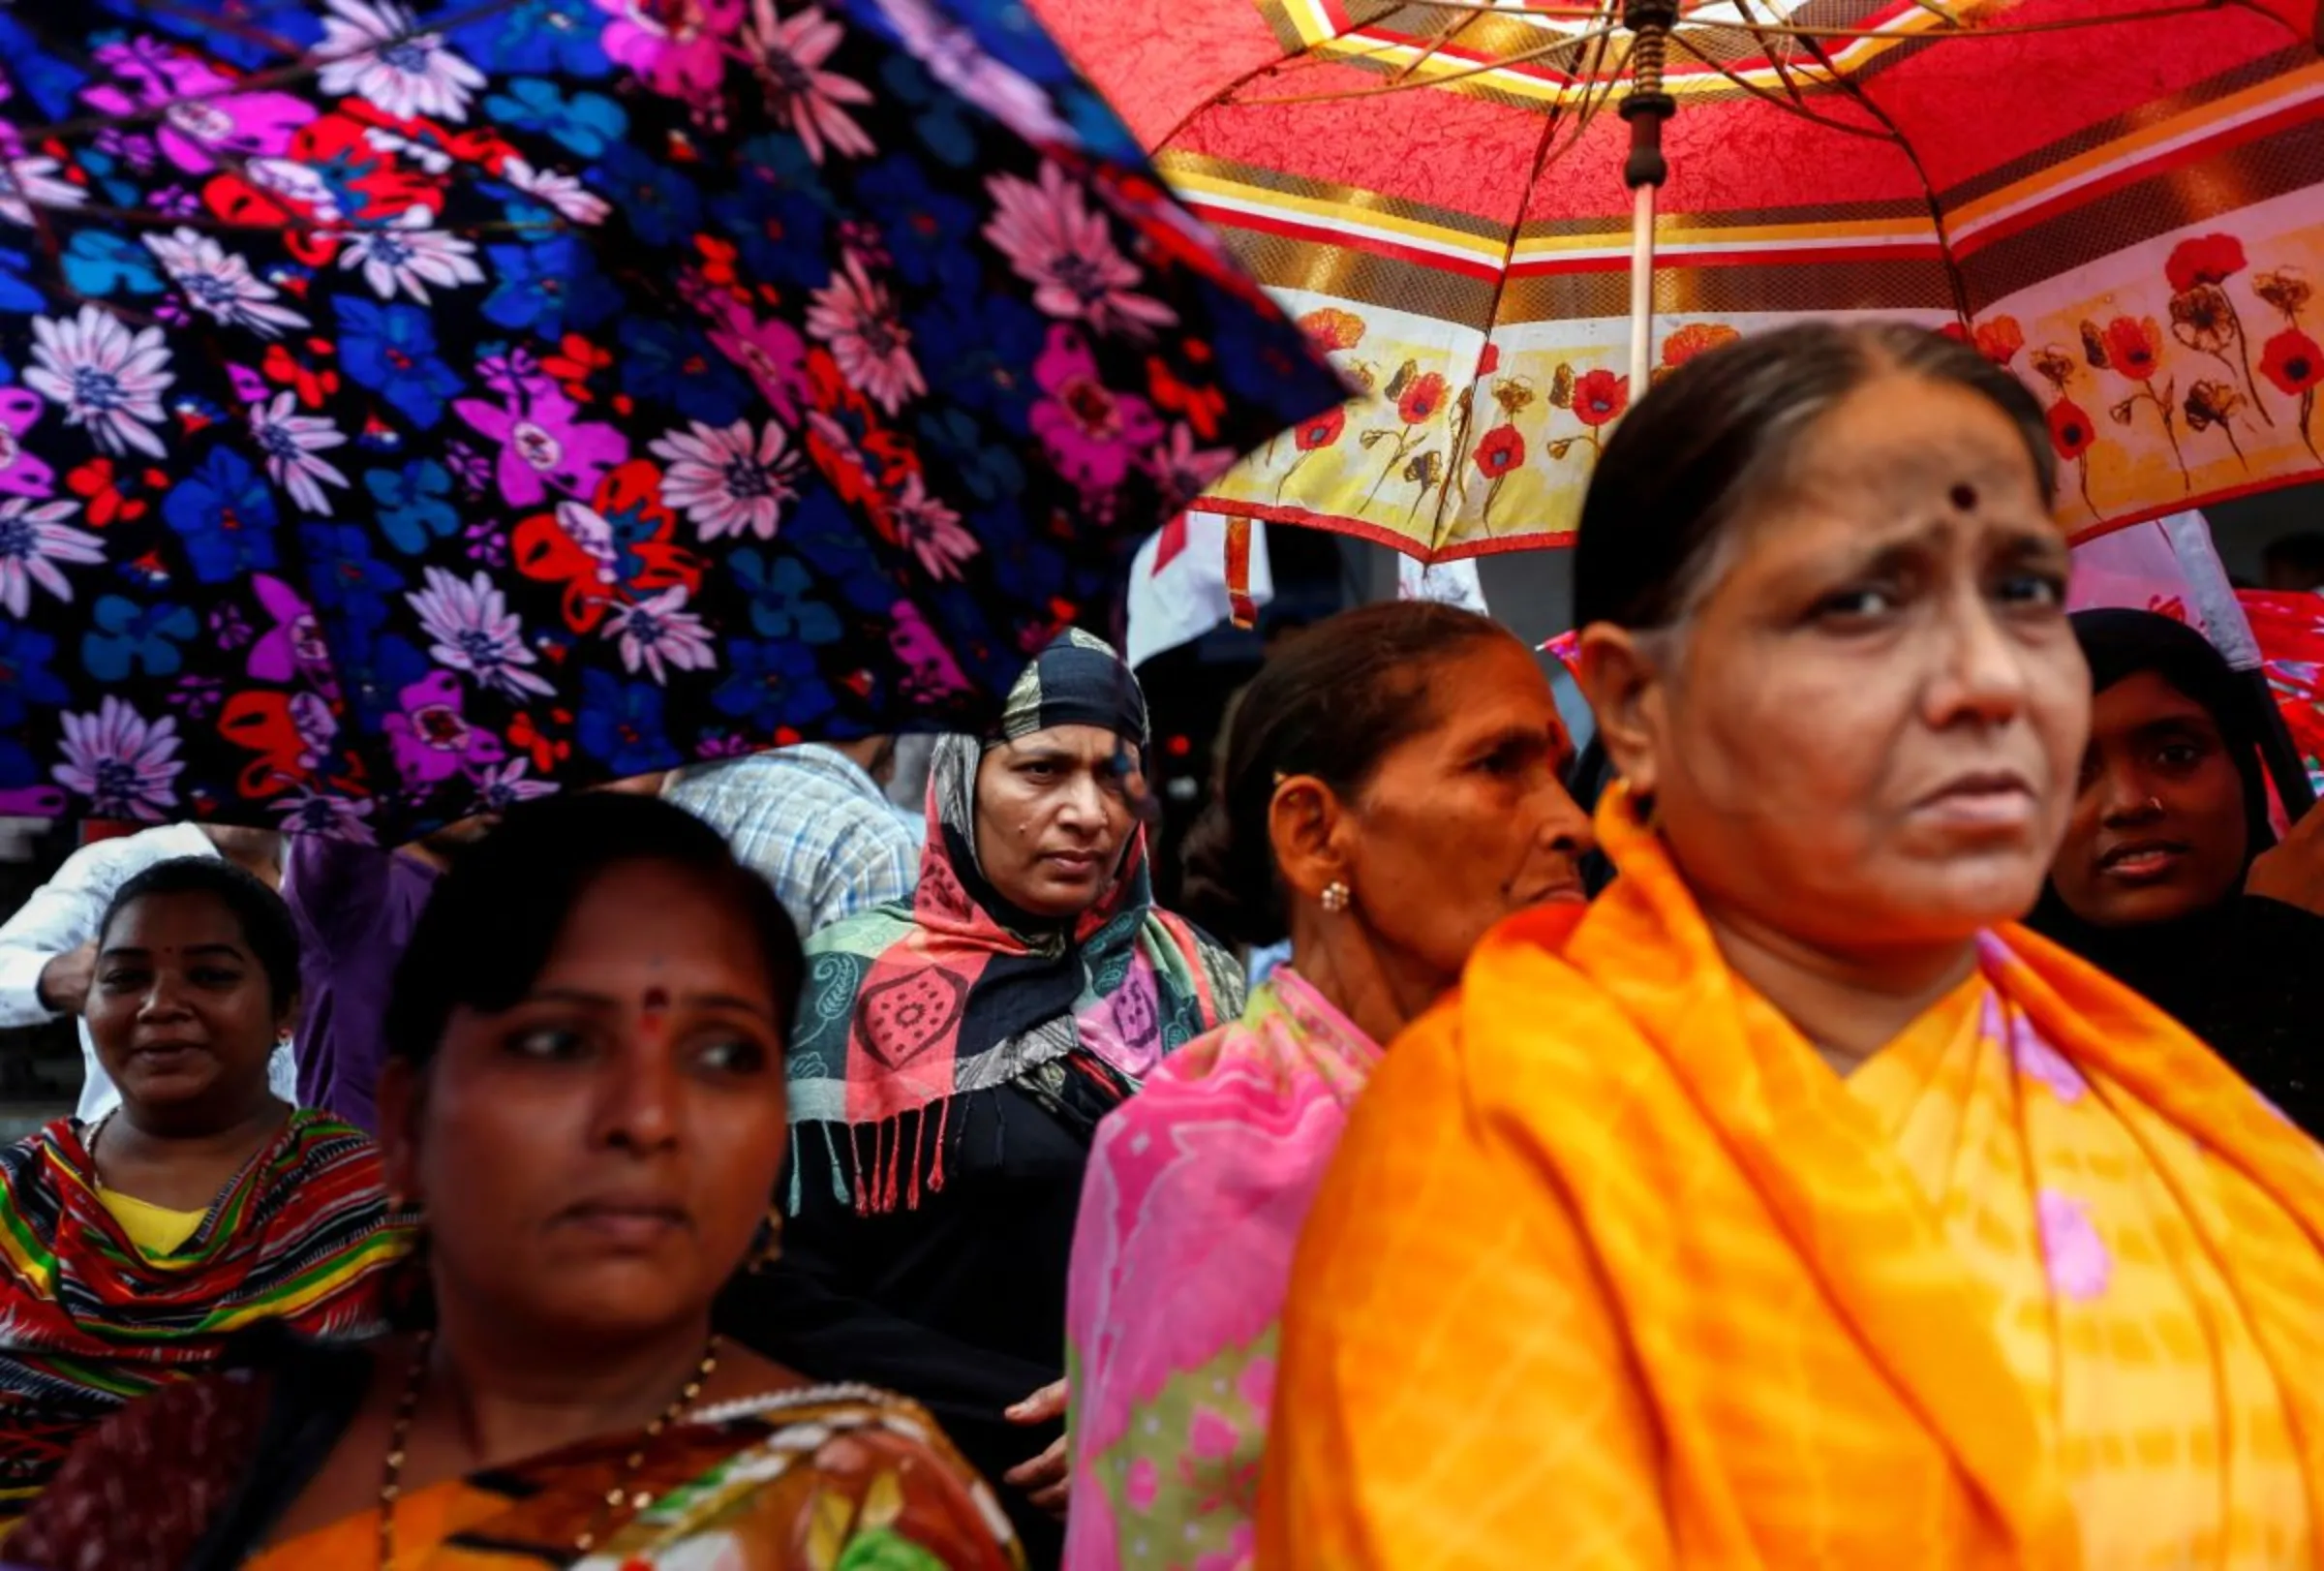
pixel 355 909
pixel 335 888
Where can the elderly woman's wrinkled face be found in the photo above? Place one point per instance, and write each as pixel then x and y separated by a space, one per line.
pixel 1870 737
pixel 2158 829
pixel 1467 820
pixel 1053 817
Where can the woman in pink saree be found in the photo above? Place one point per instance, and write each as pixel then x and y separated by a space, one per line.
pixel 1391 789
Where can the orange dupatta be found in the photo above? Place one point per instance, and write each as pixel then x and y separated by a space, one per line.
pixel 1612 1270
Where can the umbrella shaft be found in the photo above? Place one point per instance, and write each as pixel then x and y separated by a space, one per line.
pixel 1642 288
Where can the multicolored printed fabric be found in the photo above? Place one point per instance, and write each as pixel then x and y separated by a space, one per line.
pixel 303 1236
pixel 1195 1191
pixel 912 1005
pixel 2122 204
pixel 821 1479
pixel 808 1481
pixel 2289 629
pixel 404 412
pixel 1611 1269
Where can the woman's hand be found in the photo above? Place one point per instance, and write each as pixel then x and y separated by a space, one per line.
pixel 2293 871
pixel 1043 1478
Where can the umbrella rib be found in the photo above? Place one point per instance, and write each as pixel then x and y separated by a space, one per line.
pixel 1309 61
pixel 147 218
pixel 1436 43
pixel 1792 106
pixel 1758 30
pixel 1595 93
pixel 1775 58
pixel 1225 96
pixel 232 26
pixel 1484 8
pixel 2059 25
pixel 1939 11
pixel 1485 68
pixel 1788 30
pixel 272 42
pixel 1855 89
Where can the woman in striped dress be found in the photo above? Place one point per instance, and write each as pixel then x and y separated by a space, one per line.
pixel 133 1248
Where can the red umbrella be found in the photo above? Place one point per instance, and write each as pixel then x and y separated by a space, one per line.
pixel 2290 632
pixel 2122 200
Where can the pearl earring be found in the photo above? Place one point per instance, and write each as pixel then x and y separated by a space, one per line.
pixel 1336 897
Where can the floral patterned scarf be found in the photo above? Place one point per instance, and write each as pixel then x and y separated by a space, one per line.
pixel 1195 1195
pixel 911 1006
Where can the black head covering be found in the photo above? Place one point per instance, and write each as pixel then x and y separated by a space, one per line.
pixel 1078 680
pixel 2167 961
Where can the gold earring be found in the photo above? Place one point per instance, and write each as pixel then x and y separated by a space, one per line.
pixel 769 1242
pixel 1336 897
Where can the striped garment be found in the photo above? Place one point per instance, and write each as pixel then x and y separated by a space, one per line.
pixel 303 1235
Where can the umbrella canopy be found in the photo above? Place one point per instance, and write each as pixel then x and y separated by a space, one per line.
pixel 404 413
pixel 2123 199
pixel 2289 629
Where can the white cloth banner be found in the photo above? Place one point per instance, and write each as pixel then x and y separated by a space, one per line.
pixel 1449 583
pixel 1178 584
pixel 2168 565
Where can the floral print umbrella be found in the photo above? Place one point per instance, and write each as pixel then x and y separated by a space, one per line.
pixel 407 412
pixel 2121 201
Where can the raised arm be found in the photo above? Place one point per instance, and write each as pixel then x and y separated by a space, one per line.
pixel 60 917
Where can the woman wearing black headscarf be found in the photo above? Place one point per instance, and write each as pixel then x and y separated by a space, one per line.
pixel 952 1057
pixel 2170 879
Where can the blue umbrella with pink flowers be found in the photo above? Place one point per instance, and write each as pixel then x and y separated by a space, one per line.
pixel 406 411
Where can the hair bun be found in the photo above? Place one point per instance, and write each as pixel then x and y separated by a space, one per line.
pixel 1229 890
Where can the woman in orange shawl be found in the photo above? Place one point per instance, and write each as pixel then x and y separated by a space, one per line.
pixel 1791 1208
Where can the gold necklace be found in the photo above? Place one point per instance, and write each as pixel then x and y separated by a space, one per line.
pixel 391 1475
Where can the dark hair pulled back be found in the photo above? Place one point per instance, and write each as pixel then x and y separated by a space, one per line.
pixel 1717 434
pixel 267 924
pixel 1332 704
pixel 494 917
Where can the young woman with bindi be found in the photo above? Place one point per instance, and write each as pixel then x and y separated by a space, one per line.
pixel 2170 876
pixel 202 1206
pixel 584 1101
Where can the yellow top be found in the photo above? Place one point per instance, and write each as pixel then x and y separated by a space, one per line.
pixel 157 1231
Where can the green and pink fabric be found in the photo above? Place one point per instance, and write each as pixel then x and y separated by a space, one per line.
pixel 1195 1192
